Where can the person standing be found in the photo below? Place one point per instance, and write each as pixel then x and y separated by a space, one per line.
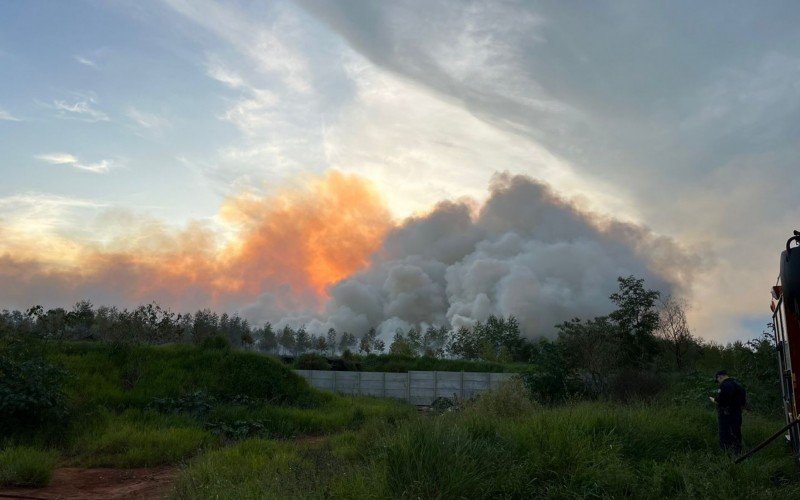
pixel 731 400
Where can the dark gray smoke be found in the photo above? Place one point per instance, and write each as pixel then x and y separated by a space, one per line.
pixel 526 252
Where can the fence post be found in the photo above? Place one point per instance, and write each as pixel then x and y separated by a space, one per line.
pixel 488 381
pixel 435 384
pixel 408 386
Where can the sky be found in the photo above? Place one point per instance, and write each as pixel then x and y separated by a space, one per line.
pixel 299 160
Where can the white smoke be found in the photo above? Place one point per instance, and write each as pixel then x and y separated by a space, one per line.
pixel 525 252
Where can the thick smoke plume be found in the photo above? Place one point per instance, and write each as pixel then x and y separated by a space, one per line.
pixel 328 255
pixel 525 252
pixel 292 244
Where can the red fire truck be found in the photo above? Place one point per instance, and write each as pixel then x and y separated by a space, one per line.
pixel 786 325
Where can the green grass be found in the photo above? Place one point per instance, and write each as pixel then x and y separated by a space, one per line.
pixel 138 438
pixel 122 376
pixel 503 447
pixel 25 466
pixel 143 406
pixel 241 425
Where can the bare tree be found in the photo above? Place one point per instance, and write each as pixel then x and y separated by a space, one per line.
pixel 673 327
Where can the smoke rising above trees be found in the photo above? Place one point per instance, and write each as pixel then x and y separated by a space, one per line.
pixel 328 257
pixel 525 253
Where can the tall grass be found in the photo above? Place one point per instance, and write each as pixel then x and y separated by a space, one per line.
pixel 501 447
pixel 24 466
pixel 121 376
pixel 141 406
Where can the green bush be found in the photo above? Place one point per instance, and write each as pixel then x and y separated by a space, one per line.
pixel 216 342
pixel 312 362
pixel 509 400
pixel 31 391
pixel 125 376
pixel 24 466
pixel 636 385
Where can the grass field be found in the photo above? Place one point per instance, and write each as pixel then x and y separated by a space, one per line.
pixel 577 450
pixel 241 425
pixel 142 406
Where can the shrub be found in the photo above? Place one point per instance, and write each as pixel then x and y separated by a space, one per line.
pixel 345 364
pixel 549 387
pixel 216 342
pixel 197 404
pixel 442 404
pixel 237 430
pixel 636 385
pixel 508 400
pixel 24 466
pixel 102 375
pixel 31 391
pixel 312 362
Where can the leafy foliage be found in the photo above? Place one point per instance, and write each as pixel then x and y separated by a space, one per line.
pixel 636 319
pixel 312 362
pixel 31 390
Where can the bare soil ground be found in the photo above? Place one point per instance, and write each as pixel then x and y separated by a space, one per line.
pixel 95 484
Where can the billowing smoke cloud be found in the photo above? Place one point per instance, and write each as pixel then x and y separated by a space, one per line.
pixel 525 252
pixel 327 255
pixel 291 245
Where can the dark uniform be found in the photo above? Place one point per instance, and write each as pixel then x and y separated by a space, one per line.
pixel 730 402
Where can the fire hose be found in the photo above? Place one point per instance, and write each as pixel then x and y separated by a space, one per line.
pixel 766 442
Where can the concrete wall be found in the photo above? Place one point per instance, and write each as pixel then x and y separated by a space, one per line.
pixel 419 388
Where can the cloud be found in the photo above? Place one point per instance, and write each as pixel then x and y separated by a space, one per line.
pixel 223 75
pixel 81 109
pixel 6 116
pixel 325 253
pixel 86 62
pixel 268 47
pixel 149 121
pixel 273 61
pixel 663 104
pixel 101 167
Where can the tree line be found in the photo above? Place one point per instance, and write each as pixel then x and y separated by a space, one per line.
pixel 630 335
pixel 644 336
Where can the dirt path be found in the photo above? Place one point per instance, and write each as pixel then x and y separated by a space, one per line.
pixel 96 484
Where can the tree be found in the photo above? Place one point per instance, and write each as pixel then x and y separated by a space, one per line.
pixel 673 327
pixel 80 319
pixel 303 341
pixel 268 341
pixel 320 344
pixel 464 344
pixel 433 341
pixel 414 339
pixel 590 348
pixel 347 342
pixel 636 319
pixel 400 345
pixel 287 340
pixel 331 339
pixel 205 326
pixel 369 342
